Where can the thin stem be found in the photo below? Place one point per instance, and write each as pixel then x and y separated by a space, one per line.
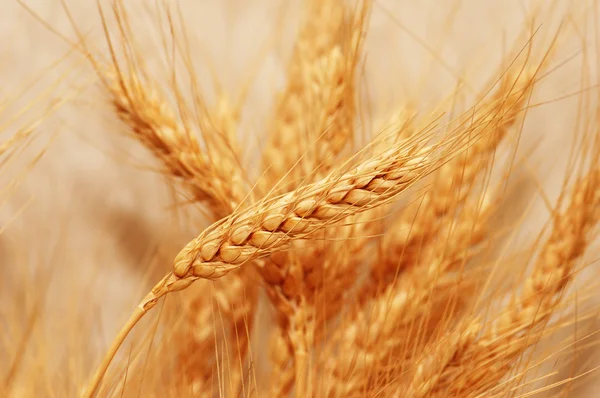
pixel 133 320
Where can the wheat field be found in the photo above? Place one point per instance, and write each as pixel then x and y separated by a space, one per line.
pixel 308 198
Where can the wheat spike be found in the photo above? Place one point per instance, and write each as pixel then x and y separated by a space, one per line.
pixel 317 107
pixel 487 354
pixel 271 225
pixel 379 332
pixel 398 312
pixel 212 174
pixel 410 234
pixel 150 120
pixel 314 116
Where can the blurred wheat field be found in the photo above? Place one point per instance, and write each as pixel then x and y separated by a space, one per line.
pixel 405 196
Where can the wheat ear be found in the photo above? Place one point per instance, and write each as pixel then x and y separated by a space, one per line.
pixel 314 115
pixel 212 175
pixel 381 329
pixel 398 310
pixel 150 120
pixel 485 354
pixel 454 182
pixel 271 225
pixel 314 121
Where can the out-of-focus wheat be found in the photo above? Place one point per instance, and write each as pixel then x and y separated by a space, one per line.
pixel 211 175
pixel 313 123
pixel 397 313
pixel 454 183
pixel 482 354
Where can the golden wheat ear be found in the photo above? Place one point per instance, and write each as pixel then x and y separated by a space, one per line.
pixel 395 309
pixel 314 122
pixel 454 182
pixel 270 226
pixel 200 153
pixel 485 353
pixel 315 114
